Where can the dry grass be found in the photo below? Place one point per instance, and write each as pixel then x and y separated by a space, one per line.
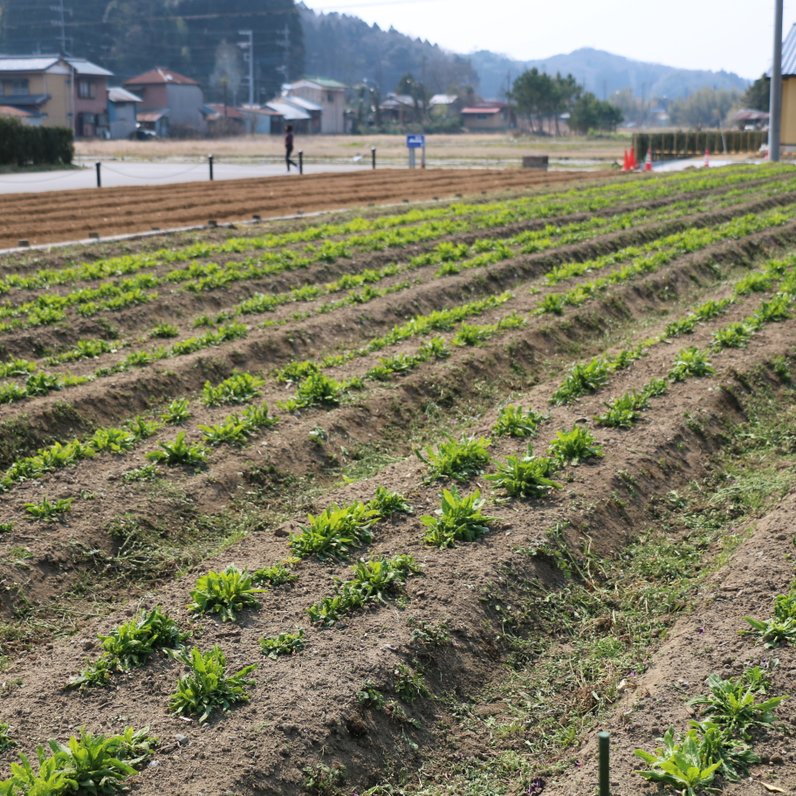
pixel 497 149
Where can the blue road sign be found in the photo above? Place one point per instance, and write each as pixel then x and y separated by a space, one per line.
pixel 415 141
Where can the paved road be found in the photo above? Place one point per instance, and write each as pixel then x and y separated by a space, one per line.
pixel 124 173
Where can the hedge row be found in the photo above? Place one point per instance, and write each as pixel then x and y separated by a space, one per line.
pixel 685 143
pixel 21 145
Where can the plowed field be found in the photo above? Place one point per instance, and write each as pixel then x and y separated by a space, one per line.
pixel 74 215
pixel 502 471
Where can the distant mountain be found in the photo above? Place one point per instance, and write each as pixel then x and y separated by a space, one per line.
pixel 603 74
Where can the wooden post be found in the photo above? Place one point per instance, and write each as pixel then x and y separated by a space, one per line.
pixel 98 166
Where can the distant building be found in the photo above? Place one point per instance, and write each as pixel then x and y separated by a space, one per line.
pixel 327 95
pixel 398 109
pixel 488 116
pixel 171 103
pixel 788 122
pixel 122 112
pixel 750 119
pixel 57 91
pixel 286 113
pixel 445 106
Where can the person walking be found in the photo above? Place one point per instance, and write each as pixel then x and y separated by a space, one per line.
pixel 289 147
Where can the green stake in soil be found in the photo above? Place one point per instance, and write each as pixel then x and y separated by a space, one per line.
pixel 604 740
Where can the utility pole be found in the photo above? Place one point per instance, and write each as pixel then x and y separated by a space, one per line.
pixel 248 55
pixel 285 42
pixel 775 107
pixel 60 22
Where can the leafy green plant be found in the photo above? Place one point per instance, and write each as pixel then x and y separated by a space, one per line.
pixel 683 764
pixel 275 575
pixel 238 388
pixel 514 421
pixel 295 372
pixel 165 330
pixel 224 593
pixel 6 740
pixel 318 389
pixel 283 644
pixel 130 645
pixel 459 519
pixel 624 411
pixel 690 362
pixel 113 440
pixel 179 453
pixel 385 503
pixel 373 581
pixel 733 705
pixel 49 510
pixel 334 531
pixel 90 764
pixel 177 412
pixel 147 472
pixel 734 335
pixel 409 683
pixel 231 431
pixel 6 527
pixel 457 459
pixel 525 477
pixel 574 446
pixel 582 379
pixel 781 628
pixel 207 686
pixel 141 428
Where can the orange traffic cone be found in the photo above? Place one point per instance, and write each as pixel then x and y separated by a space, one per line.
pixel 626 162
pixel 648 161
pixel 633 164
pixel 707 158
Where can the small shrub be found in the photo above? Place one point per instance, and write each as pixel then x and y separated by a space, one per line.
pixel 224 593
pixel 207 687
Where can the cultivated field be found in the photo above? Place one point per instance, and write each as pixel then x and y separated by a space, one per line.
pixel 416 498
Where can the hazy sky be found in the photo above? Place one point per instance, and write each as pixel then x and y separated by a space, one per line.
pixel 735 35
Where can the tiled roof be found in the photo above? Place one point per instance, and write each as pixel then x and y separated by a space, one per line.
pixel 160 75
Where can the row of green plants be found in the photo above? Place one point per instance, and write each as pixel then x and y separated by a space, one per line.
pixel 569 201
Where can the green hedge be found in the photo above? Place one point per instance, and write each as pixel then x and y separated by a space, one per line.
pixel 688 143
pixel 21 145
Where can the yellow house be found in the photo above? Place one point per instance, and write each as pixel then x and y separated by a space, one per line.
pixel 788 119
pixel 56 91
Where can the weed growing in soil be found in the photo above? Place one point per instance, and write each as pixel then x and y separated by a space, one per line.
pixel 164 331
pixel 373 581
pixel 148 472
pixel 459 519
pixel 207 687
pixel 457 459
pixel 224 593
pixel 6 527
pixel 574 446
pixel 525 477
pixel 179 453
pixel 514 421
pixel 781 628
pixel 409 683
pixel 283 644
pixel 49 510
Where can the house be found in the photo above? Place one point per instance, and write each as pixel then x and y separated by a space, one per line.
pixel 260 120
pixel 122 111
pixel 445 106
pixel 398 109
pixel 171 103
pixel 323 93
pixel 223 120
pixel 750 119
pixel 57 91
pixel 285 113
pixel 788 119
pixel 488 116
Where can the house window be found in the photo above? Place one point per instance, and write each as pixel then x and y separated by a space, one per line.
pixel 15 88
pixel 329 97
pixel 85 89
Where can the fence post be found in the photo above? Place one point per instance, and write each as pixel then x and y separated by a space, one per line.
pixel 98 166
pixel 373 157
pixel 604 740
pixel 210 163
pixel 301 162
